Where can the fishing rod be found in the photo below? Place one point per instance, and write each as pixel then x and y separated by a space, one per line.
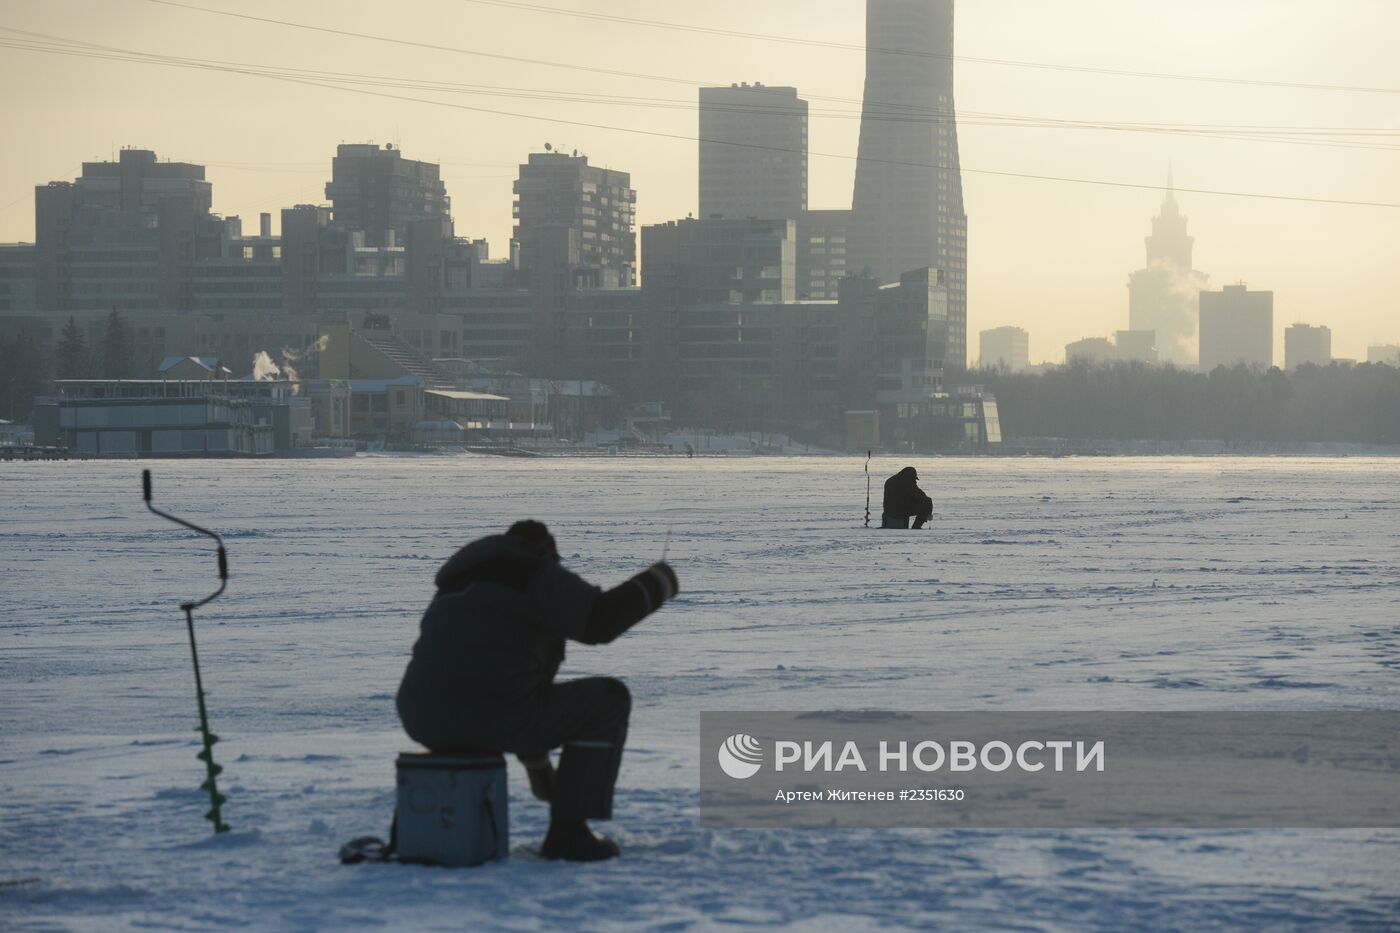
pixel 216 799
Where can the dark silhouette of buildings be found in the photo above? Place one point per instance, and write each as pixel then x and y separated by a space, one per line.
pixel 720 329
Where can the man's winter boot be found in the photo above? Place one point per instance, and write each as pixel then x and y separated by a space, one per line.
pixel 573 841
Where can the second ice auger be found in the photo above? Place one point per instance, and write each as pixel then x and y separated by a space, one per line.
pixel 210 785
pixel 867 488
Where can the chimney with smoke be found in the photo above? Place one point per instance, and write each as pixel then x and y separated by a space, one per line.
pixel 264 370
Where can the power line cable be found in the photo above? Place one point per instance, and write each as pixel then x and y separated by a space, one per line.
pixel 895 162
pixel 415 44
pixel 917 53
pixel 1290 135
pixel 30 193
pixel 913 108
pixel 954 166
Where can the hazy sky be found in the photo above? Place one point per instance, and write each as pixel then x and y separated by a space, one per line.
pixel 1048 256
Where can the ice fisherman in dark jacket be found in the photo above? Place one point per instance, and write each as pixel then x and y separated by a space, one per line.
pixel 905 500
pixel 481 678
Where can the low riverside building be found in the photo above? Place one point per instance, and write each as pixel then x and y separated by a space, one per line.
pixel 13 435
pixel 961 419
pixel 193 367
pixel 365 408
pixel 556 407
pixel 431 433
pixel 173 418
pixel 475 411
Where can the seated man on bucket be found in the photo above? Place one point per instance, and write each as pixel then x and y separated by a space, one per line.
pixel 482 674
pixel 905 500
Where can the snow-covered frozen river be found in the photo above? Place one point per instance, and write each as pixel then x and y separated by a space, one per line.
pixel 1132 584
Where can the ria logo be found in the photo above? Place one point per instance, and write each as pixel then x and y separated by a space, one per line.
pixel 741 756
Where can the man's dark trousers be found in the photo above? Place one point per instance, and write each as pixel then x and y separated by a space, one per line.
pixel 588 718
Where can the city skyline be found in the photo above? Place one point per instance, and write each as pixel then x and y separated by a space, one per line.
pixel 1047 256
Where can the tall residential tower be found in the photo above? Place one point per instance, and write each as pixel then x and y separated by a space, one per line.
pixel 908 204
pixel 753 152
pixel 382 193
pixel 572 214
pixel 1304 344
pixel 123 237
pixel 1237 326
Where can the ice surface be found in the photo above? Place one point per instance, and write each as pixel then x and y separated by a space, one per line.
pixel 1076 584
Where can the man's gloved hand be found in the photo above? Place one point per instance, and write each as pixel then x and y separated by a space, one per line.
pixel 542 776
pixel 668 577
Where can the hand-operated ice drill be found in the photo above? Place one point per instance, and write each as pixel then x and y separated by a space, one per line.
pixel 207 755
pixel 867 488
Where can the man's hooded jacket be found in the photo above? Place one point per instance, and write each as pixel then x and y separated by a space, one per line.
pixel 904 498
pixel 492 640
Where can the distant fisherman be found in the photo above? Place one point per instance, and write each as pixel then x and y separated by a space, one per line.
pixel 905 500
pixel 482 674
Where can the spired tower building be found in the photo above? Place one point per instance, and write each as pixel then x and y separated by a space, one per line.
pixel 1164 297
pixel 907 212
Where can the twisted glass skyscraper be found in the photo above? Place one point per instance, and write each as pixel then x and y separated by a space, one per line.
pixel 908 204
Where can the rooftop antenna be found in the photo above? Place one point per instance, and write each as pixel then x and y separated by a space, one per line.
pixel 213 770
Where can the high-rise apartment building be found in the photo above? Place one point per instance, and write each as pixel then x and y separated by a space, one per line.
pixel 753 152
pixel 380 192
pixel 1163 296
pixel 383 245
pixel 1005 348
pixel 1303 343
pixel 908 204
pixel 123 236
pixel 569 212
pixel 1237 326
pixel 1384 353
pixel 17 277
